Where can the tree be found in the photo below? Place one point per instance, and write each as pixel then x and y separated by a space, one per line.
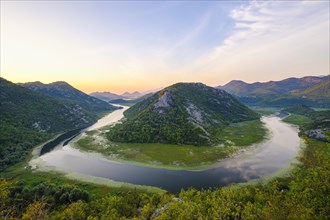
pixel 36 210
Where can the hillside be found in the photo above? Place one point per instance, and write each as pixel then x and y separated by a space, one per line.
pixel 28 118
pixel 66 92
pixel 314 124
pixel 184 113
pixel 309 90
pixel 317 91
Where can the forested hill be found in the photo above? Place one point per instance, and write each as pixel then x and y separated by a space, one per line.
pixel 28 118
pixel 184 113
pixel 314 124
pixel 66 92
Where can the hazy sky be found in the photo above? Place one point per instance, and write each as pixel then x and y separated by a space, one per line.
pixel 136 45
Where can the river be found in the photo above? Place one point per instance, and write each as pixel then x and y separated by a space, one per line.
pixel 258 161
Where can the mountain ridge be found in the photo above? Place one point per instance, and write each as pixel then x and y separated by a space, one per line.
pixel 281 93
pixel 65 91
pixel 184 113
pixel 29 117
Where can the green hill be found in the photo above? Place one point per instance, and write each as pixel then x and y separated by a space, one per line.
pixel 184 113
pixel 314 92
pixel 314 124
pixel 68 93
pixel 27 118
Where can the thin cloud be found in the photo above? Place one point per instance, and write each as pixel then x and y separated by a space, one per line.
pixel 257 21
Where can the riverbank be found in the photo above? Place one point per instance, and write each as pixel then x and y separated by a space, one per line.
pixel 258 161
pixel 232 140
pixel 302 193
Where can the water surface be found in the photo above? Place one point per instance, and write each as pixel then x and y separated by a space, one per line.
pixel 261 159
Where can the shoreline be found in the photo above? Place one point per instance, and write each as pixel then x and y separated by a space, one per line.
pixel 238 151
pixel 37 164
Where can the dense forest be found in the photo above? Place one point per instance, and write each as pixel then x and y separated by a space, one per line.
pixel 30 117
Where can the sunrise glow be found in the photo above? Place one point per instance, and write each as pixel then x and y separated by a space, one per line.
pixel 128 46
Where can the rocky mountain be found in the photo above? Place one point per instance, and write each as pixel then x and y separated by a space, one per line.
pixel 133 95
pixel 66 92
pixel 123 98
pixel 28 117
pixel 309 90
pixel 184 113
pixel 105 96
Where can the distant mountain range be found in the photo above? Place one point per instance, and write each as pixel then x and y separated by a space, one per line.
pixel 109 96
pixel 309 90
pixel 65 91
pixel 184 113
pixel 123 98
pixel 133 95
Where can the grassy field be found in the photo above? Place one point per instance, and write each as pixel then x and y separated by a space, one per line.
pixel 231 139
pixel 299 120
pixel 265 110
pixel 321 109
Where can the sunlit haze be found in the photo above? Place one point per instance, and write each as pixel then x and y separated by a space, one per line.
pixel 128 46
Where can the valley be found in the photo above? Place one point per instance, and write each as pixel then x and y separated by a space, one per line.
pixel 255 161
pixel 165 110
pixel 251 152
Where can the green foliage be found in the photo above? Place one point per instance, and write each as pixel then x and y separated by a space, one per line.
pixel 29 118
pixel 69 94
pixel 302 195
pixel 243 133
pixel 34 201
pixel 307 112
pixel 230 139
pixel 193 115
pixel 299 120
pixel 16 143
pixel 310 121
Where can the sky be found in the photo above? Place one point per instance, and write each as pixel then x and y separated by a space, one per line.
pixel 142 45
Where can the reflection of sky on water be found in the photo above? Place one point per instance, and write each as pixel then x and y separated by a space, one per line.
pixel 109 119
pixel 262 159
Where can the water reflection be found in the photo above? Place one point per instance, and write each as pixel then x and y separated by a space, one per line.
pixel 262 159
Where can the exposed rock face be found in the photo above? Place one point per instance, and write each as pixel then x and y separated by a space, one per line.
pixel 319 134
pixel 184 113
pixel 195 113
pixel 164 102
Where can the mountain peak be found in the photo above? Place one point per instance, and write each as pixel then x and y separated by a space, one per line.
pixel 183 113
pixel 60 83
